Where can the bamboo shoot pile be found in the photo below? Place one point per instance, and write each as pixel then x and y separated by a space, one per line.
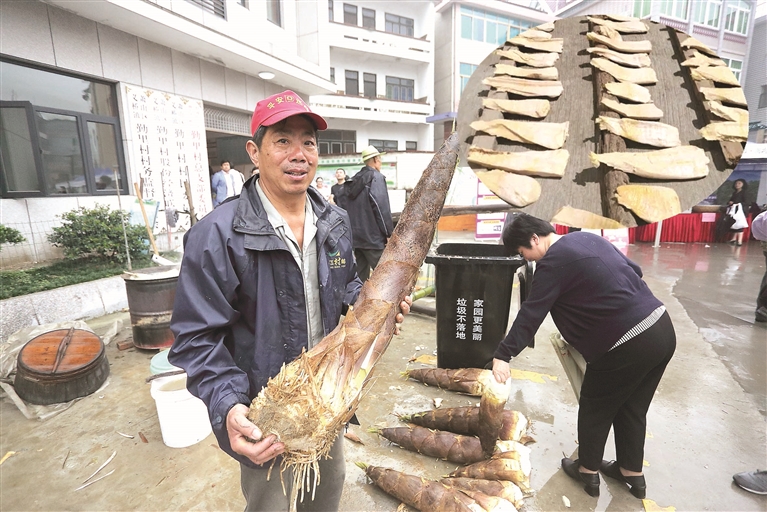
pixel 311 399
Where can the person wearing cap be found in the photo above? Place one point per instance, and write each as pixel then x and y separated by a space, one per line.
pixel 367 201
pixel 226 183
pixel 265 277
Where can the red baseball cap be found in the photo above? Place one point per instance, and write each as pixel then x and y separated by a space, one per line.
pixel 280 106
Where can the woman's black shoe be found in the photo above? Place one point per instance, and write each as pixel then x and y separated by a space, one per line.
pixel 636 484
pixel 590 481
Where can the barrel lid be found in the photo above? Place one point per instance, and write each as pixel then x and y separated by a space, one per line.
pixel 160 363
pixel 61 352
pixel 153 273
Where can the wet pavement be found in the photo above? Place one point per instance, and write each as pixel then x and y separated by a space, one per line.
pixel 706 423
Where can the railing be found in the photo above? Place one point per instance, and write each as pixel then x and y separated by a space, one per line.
pixel 217 7
pixel 380 105
pixel 365 39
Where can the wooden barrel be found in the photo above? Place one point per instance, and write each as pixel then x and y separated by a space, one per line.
pixel 61 365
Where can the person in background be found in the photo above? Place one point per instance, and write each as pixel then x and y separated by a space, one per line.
pixel 604 309
pixel 324 190
pixel 738 197
pixel 366 198
pixel 759 230
pixel 337 190
pixel 226 183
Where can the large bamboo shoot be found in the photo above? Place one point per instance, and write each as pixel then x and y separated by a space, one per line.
pixel 311 399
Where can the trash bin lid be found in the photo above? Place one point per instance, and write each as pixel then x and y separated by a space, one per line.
pixel 152 273
pixel 460 254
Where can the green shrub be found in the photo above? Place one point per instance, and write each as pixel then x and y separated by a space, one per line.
pixel 10 236
pixel 97 232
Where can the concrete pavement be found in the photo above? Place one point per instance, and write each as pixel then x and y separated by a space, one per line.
pixel 706 422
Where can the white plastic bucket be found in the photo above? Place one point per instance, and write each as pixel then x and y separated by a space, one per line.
pixel 183 418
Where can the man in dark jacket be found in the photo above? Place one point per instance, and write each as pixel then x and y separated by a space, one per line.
pixel 264 276
pixel 367 201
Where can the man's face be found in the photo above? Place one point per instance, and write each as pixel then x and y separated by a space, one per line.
pixel 225 167
pixel 340 175
pixel 375 163
pixel 535 252
pixel 288 157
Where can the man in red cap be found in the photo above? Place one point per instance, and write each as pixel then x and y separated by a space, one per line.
pixel 264 277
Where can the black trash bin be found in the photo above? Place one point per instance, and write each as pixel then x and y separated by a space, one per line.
pixel 474 283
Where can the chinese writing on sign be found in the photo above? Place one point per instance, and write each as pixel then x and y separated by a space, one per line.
pixel 469 318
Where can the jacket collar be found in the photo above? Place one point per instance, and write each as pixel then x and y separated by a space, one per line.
pixel 251 220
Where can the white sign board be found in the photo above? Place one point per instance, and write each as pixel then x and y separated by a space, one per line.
pixel 168 147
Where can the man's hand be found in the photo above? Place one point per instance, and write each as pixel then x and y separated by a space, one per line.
pixel 501 371
pixel 404 307
pixel 240 429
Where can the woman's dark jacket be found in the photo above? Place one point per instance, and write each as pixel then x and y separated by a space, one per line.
pixel 240 311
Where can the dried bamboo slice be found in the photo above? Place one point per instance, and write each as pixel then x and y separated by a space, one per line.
pixel 649 203
pixel 726 130
pixel 621 46
pixel 546 27
pixel 529 108
pixel 555 45
pixel 624 27
pixel 640 76
pixel 645 132
pixel 698 59
pixel 609 33
pixel 691 42
pixel 548 135
pixel 536 34
pixel 536 73
pixel 718 74
pixel 681 163
pixel 733 95
pixel 524 87
pixel 644 111
pixel 515 189
pixel 738 115
pixel 629 91
pixel 619 17
pixel 634 60
pixel 575 218
pixel 535 60
pixel 547 164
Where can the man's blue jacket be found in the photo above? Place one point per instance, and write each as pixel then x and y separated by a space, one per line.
pixel 240 309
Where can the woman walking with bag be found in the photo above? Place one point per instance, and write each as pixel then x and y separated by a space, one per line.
pixel 735 210
pixel 604 309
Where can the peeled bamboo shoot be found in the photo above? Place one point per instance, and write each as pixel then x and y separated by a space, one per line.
pixel 722 75
pixel 624 27
pixel 725 130
pixel 698 59
pixel 641 76
pixel 536 60
pixel 646 132
pixel 621 46
pixel 733 95
pixel 575 218
pixel 645 111
pixel 549 45
pixel 528 108
pixel 525 87
pixel 534 73
pixel 738 115
pixel 680 163
pixel 634 60
pixel 516 189
pixel 629 91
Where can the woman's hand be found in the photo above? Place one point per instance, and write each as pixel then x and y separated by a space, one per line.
pixel 501 371
pixel 246 438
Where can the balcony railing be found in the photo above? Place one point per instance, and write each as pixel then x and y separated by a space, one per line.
pixel 364 39
pixel 217 7
pixel 366 106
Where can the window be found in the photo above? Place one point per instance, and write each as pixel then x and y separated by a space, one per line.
pixel 763 97
pixel 274 11
pixel 707 12
pixel 466 71
pixel 480 25
pixel 350 14
pixel 411 145
pixel 674 8
pixel 399 25
pixel 399 88
pixel 642 8
pixel 352 83
pixel 736 19
pixel 217 7
pixel 58 134
pixel 369 85
pixel 333 75
pixel 735 65
pixel 383 145
pixel 330 10
pixel 337 142
pixel 368 18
